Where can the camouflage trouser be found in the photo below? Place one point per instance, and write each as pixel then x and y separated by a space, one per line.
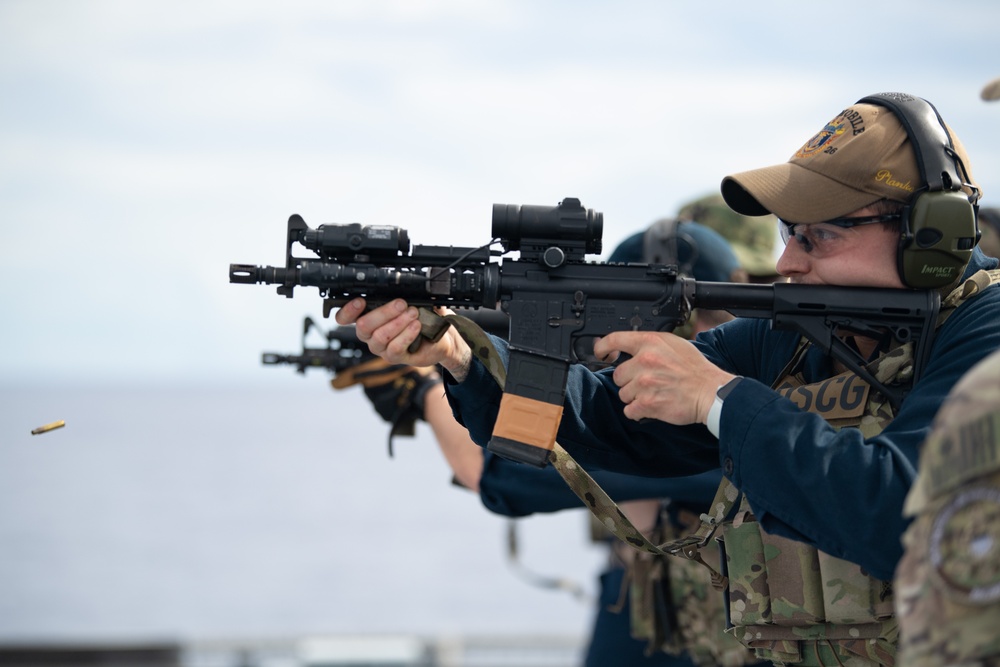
pixel 702 613
pixel 677 610
pixel 795 605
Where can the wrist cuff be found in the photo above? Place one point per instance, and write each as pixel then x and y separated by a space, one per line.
pixel 715 412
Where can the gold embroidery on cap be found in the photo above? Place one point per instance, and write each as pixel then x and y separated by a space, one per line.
pixel 822 139
pixel 885 176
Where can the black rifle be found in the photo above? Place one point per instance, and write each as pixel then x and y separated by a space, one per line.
pixel 559 302
pixel 343 350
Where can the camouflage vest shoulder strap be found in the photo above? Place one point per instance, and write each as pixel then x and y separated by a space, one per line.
pixel 968 289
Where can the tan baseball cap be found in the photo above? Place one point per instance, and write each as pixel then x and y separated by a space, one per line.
pixel 861 156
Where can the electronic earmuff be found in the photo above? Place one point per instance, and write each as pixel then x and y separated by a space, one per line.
pixel 939 223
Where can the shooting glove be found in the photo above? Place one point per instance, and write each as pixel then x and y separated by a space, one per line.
pixel 396 391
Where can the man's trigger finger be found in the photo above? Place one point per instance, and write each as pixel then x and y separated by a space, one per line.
pixel 601 348
pixel 608 348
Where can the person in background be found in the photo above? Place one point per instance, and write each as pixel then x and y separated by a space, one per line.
pixel 989 225
pixel 752 238
pixel 948 581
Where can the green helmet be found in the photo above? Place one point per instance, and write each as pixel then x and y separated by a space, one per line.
pixel 752 238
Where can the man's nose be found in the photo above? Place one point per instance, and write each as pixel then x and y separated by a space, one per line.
pixel 794 260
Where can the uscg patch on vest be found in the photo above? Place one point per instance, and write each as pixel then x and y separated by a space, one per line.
pixel 840 397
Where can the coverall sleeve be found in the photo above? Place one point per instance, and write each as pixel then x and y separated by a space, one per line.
pixel 516 489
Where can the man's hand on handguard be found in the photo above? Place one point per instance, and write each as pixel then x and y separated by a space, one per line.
pixel 666 378
pixel 390 329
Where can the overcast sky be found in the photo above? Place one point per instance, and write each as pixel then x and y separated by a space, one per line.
pixel 145 146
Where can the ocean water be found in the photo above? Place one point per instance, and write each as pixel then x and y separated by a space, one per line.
pixel 198 512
